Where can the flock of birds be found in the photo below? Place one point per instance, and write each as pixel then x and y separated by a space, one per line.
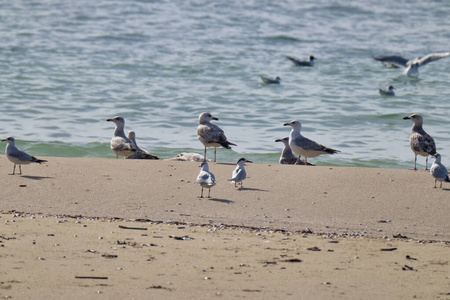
pixel 212 136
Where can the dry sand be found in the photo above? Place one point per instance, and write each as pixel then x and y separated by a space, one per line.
pixel 382 233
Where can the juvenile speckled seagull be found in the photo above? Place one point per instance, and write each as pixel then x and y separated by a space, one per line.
pixel 239 174
pixel 287 157
pixel 121 144
pixel 388 92
pixel 421 143
pixel 139 153
pixel 267 80
pixel 439 171
pixel 302 63
pixel 206 179
pixel 17 156
pixel 210 135
pixel 304 146
pixel 411 66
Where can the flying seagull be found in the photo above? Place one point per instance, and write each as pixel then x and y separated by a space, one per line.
pixel 411 66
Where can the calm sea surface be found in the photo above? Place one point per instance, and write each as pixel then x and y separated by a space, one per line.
pixel 67 66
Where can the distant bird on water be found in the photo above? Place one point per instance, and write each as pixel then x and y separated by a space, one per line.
pixel 302 63
pixel 304 146
pixel 411 66
pixel 287 157
pixel 139 153
pixel 210 135
pixel 121 145
pixel 267 80
pixel 17 156
pixel 388 92
pixel 206 179
pixel 439 171
pixel 239 174
pixel 421 143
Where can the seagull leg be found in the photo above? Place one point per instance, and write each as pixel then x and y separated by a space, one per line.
pixel 204 155
pixel 435 183
pixel 426 163
pixel 14 170
pixel 20 169
pixel 209 193
pixel 201 196
pixel 441 184
pixel 415 162
pixel 298 160
pixel 215 149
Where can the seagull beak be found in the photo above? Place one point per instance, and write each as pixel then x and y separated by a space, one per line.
pixel 277 140
pixel 406 118
pixel 214 118
pixel 109 120
pixel 248 161
pixel 287 124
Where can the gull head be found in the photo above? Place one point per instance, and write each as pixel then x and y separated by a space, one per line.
pixel 417 119
pixel 284 140
pixel 205 166
pixel 117 120
pixel 294 124
pixel 390 88
pixel 206 117
pixel 9 139
pixel 437 157
pixel 311 58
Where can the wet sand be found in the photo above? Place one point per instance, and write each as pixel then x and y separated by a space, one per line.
pixel 292 232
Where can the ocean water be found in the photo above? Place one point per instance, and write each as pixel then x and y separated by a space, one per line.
pixel 67 66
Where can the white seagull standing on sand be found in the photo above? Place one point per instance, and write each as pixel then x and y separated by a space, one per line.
pixel 206 179
pixel 388 92
pixel 211 135
pixel 439 171
pixel 411 66
pixel 239 174
pixel 267 80
pixel 139 153
pixel 121 144
pixel 421 143
pixel 287 157
pixel 304 146
pixel 302 63
pixel 17 156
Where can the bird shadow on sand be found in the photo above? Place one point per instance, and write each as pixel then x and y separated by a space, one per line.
pixel 221 200
pixel 250 189
pixel 36 177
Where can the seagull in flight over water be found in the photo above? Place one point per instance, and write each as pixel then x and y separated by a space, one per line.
pixel 411 66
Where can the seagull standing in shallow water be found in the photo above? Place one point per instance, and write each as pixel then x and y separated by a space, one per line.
pixel 421 143
pixel 206 179
pixel 411 66
pixel 121 144
pixel 304 146
pixel 17 156
pixel 388 92
pixel 239 174
pixel 302 63
pixel 210 135
pixel 439 171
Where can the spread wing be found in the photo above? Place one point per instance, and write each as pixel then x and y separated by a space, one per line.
pixel 430 58
pixel 395 60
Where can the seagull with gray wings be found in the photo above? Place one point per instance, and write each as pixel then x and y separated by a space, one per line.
pixel 17 156
pixel 438 170
pixel 121 145
pixel 411 66
pixel 421 143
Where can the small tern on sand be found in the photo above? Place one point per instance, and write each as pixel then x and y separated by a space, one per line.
pixel 239 174
pixel 304 146
pixel 302 63
pixel 139 153
pixel 411 66
pixel 210 135
pixel 121 144
pixel 206 179
pixel 438 170
pixel 388 92
pixel 421 143
pixel 17 156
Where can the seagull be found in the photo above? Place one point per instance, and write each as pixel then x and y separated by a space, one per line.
pixel 206 179
pixel 211 135
pixel 411 66
pixel 239 174
pixel 267 80
pixel 438 170
pixel 139 153
pixel 302 63
pixel 304 146
pixel 183 156
pixel 287 157
pixel 388 92
pixel 17 156
pixel 120 144
pixel 421 143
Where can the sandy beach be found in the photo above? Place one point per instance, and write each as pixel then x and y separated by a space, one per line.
pixel 115 228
